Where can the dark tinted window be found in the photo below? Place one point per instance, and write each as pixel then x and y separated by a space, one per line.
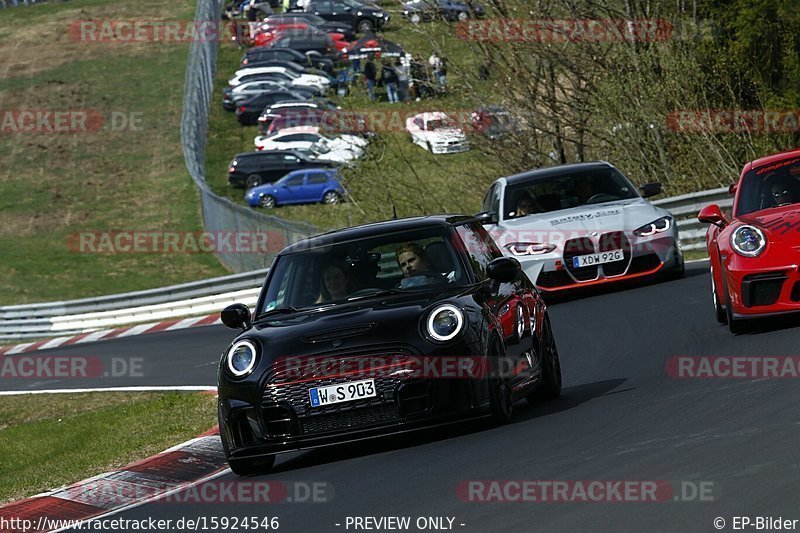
pixel 479 247
pixel 315 178
pixel 294 181
pixel 769 186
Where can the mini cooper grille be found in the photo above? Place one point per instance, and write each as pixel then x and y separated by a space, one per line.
pixel 291 389
pixel 616 241
pixel 366 416
pixel 575 247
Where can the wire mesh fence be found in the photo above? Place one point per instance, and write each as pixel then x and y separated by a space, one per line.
pixel 221 215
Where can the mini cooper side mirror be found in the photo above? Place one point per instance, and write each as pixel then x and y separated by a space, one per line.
pixel 487 218
pixel 711 214
pixel 504 269
pixel 651 189
pixel 236 316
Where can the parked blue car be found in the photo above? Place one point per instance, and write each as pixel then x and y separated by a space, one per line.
pixel 426 10
pixel 306 186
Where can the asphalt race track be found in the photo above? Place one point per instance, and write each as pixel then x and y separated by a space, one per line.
pixel 621 417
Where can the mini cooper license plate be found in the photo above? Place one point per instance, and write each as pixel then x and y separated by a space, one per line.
pixel 344 392
pixel 597 259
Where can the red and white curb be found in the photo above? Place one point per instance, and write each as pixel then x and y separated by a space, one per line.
pixel 191 463
pixel 115 333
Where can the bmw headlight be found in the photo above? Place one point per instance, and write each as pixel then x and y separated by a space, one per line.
pixel 748 241
pixel 445 322
pixel 241 358
pixel 657 226
pixel 530 248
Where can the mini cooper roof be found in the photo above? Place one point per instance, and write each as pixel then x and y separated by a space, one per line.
pixel 559 170
pixel 376 228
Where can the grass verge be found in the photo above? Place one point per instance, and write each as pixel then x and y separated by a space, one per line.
pixel 123 177
pixel 42 447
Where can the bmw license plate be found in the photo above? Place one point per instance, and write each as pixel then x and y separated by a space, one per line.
pixel 597 259
pixel 344 392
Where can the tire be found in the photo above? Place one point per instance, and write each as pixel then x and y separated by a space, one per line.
pixel 247 467
pixel 415 18
pixel 331 197
pixel 501 403
pixel 365 26
pixel 736 326
pixel 462 16
pixel 550 386
pixel 267 201
pixel 253 180
pixel 429 145
pixel 719 310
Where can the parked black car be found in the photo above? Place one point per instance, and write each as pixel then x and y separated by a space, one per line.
pixel 345 344
pixel 329 26
pixel 452 10
pixel 362 18
pixel 233 99
pixel 251 169
pixel 312 59
pixel 305 42
pixel 247 112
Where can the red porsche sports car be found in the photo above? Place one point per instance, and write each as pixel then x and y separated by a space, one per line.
pixel 755 253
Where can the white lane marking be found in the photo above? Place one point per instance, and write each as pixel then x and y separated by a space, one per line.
pixel 54 343
pixel 136 330
pixel 190 388
pixel 19 348
pixel 151 499
pixel 97 335
pixel 185 323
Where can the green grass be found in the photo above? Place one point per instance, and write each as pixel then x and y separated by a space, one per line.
pixel 395 170
pixel 53 186
pixel 42 447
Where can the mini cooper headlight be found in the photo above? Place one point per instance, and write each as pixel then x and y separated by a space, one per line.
pixel 657 226
pixel 748 241
pixel 445 322
pixel 530 248
pixel 241 358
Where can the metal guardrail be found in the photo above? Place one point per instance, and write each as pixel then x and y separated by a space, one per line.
pixel 692 232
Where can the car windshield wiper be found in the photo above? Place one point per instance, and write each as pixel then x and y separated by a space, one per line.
pixel 280 311
pixel 378 293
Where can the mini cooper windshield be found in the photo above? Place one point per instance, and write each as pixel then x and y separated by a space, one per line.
pixel 566 191
pixel 774 185
pixel 358 269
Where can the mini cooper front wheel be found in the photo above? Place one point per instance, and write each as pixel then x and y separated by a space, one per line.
pixel 501 402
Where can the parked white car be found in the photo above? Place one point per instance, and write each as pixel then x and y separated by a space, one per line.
pixel 305 137
pixel 437 132
pixel 321 83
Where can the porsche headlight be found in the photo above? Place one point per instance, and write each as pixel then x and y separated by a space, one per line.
pixel 657 226
pixel 530 248
pixel 748 241
pixel 241 358
pixel 445 322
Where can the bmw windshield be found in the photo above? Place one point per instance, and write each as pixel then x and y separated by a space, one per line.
pixel 396 262
pixel 585 187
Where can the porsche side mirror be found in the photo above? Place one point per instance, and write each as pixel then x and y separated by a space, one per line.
pixel 504 269
pixel 651 189
pixel 732 188
pixel 236 316
pixel 711 214
pixel 487 218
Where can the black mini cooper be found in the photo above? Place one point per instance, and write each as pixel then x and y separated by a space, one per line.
pixel 381 329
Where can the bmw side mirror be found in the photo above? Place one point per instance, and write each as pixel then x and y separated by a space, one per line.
pixel 711 214
pixel 236 316
pixel 487 218
pixel 651 189
pixel 504 269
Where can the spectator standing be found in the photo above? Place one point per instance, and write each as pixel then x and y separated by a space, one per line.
pixel 390 79
pixel 370 75
pixel 402 80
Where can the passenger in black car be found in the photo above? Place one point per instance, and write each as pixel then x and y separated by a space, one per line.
pixel 413 260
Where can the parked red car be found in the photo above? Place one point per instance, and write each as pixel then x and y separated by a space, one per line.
pixel 754 252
